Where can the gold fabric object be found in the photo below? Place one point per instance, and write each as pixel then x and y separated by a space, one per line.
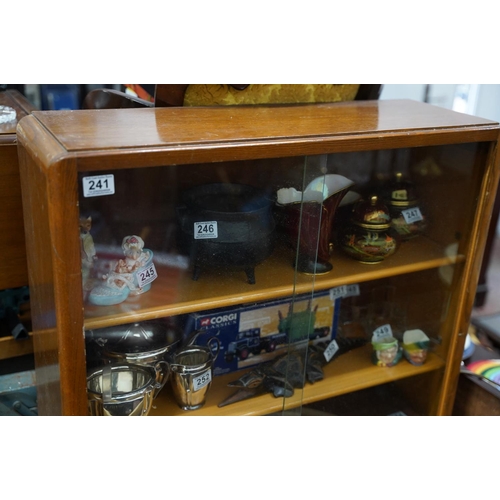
pixel 275 93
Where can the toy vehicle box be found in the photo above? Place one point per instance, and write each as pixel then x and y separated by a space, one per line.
pixel 253 334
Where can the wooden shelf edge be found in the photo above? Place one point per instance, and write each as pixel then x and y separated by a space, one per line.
pixel 348 373
pixel 12 348
pixel 202 297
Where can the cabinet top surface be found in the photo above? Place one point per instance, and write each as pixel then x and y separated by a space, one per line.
pixel 83 130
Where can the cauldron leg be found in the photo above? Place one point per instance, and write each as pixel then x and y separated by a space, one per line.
pixel 250 272
pixel 196 272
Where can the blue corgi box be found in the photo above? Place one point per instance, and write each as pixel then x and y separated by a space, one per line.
pixel 255 333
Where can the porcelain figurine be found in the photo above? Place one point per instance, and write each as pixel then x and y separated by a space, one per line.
pixel 131 275
pixel 369 237
pixel 415 346
pixel 386 352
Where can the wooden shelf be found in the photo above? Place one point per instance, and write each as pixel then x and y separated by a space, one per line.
pixel 11 348
pixel 350 372
pixel 174 292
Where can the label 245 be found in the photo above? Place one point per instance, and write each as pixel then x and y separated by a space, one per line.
pixel 146 276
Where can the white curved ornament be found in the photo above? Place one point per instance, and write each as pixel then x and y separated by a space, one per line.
pixel 7 114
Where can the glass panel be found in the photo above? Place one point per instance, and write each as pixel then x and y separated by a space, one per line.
pixel 176 258
pixel 293 271
pixel 398 281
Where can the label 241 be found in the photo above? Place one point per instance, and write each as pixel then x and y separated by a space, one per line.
pixel 98 185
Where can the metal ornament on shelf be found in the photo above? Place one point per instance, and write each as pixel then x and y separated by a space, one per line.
pixel 290 371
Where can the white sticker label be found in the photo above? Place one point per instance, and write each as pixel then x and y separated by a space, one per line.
pixel 330 351
pixel 202 380
pixel 337 292
pixel 400 194
pixel 382 332
pixel 344 291
pixel 205 230
pixel 146 276
pixel 98 185
pixel 412 215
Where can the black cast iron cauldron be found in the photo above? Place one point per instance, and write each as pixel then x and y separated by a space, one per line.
pixel 229 226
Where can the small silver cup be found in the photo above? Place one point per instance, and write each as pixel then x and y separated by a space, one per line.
pixel 192 371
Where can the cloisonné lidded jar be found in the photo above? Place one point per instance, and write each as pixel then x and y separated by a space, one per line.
pixel 404 207
pixel 369 237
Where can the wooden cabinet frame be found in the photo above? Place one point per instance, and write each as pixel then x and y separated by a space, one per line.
pixel 55 147
pixel 13 268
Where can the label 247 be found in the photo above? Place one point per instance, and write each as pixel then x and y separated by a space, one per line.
pixel 412 215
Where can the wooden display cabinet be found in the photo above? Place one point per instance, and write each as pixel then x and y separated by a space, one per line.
pixel 154 155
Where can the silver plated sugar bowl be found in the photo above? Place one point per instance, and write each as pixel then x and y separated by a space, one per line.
pixel 148 343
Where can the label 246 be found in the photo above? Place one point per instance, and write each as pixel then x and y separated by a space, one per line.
pixel 205 230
